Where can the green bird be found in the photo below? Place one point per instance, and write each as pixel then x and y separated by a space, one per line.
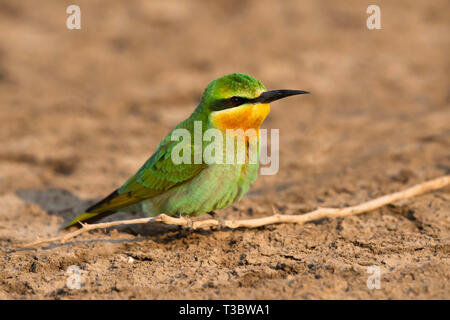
pixel 162 185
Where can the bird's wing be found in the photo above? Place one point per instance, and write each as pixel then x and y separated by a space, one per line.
pixel 160 173
pixel 157 175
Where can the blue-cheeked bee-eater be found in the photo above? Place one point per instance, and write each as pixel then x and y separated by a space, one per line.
pixel 235 101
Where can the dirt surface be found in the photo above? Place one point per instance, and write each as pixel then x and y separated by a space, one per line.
pixel 81 110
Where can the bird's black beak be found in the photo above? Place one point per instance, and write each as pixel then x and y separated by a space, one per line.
pixel 269 96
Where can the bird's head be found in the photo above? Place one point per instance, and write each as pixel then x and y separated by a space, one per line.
pixel 238 101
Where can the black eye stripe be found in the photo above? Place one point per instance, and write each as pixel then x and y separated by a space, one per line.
pixel 229 103
pixel 237 101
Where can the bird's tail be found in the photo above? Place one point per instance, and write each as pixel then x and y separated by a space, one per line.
pixel 87 217
pixel 115 201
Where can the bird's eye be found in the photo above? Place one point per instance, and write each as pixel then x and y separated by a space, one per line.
pixel 237 101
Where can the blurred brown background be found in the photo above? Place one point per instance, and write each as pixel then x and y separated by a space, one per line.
pixel 81 110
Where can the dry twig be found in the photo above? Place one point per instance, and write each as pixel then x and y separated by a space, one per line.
pixel 319 213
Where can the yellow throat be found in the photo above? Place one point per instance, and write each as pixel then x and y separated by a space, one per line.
pixel 249 116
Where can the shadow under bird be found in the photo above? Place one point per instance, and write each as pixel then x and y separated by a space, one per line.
pixel 235 101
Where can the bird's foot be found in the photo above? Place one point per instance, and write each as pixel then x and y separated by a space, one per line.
pixel 220 221
pixel 189 222
pixel 212 214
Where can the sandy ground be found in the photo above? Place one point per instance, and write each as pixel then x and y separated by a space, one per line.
pixel 80 111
